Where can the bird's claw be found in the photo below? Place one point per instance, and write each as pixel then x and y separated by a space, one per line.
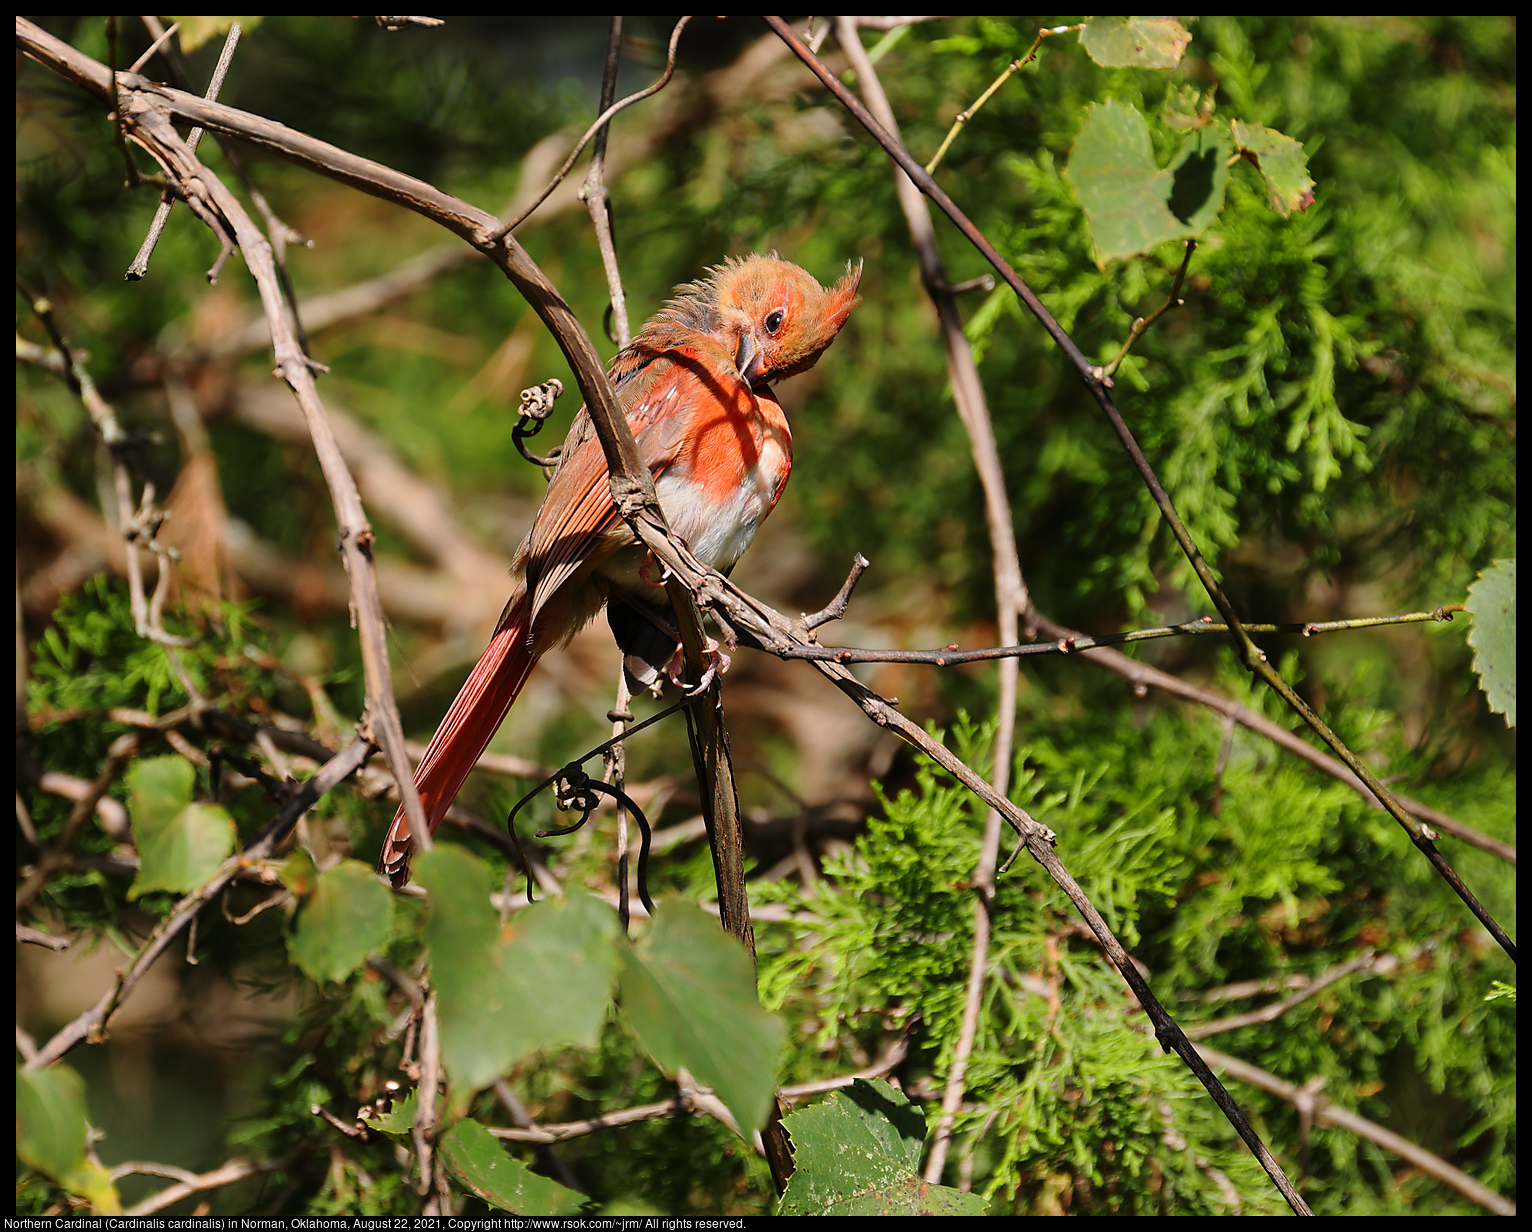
pixel 647 567
pixel 717 664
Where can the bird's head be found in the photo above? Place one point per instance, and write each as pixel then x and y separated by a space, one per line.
pixel 775 318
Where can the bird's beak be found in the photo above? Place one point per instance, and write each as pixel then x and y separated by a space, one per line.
pixel 749 359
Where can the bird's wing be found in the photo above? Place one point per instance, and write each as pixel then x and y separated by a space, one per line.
pixel 578 527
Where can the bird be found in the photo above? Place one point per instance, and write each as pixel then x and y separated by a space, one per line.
pixel 695 387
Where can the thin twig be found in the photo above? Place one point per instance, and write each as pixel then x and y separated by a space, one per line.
pixel 1141 325
pixel 140 265
pixel 518 1112
pixel 160 40
pixel 951 656
pixel 136 522
pixel 189 1183
pixel 422 1132
pixel 1010 587
pixel 1369 961
pixel 890 1060
pixel 601 122
pixel 598 201
pixel 964 116
pixel 615 773
pixel 57 856
pixel 960 121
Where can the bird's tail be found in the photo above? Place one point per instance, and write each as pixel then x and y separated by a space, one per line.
pixel 475 716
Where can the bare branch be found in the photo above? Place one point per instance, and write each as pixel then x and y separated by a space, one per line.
pixel 1325 1113
pixel 890 1059
pixel 189 1183
pixel 603 119
pixel 1011 598
pixel 140 265
pixel 597 200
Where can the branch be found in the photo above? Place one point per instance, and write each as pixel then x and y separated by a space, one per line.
pixel 594 193
pixel 891 1058
pixel 1011 598
pixel 189 1183
pixel 140 265
pixel 598 128
pixel 150 107
pixel 1384 964
pixel 1325 1113
pixel 147 109
pixel 1313 1106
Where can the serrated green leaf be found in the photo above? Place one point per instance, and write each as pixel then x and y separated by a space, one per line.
pixel 51 1135
pixel 858 1153
pixel 688 989
pixel 1135 42
pixel 346 918
pixel 1282 163
pixel 1492 604
pixel 399 1120
pixel 478 1161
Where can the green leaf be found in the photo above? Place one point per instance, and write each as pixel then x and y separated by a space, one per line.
pixel 160 788
pixel 180 844
pixel 346 918
pixel 478 1160
pixel 299 874
pixel 1492 604
pixel 1131 204
pixel 688 989
pixel 51 1135
pixel 858 1153
pixel 1282 164
pixel 399 1120
pixel 1135 42
pixel 544 982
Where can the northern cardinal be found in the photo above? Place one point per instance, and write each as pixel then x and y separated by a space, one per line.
pixel 695 387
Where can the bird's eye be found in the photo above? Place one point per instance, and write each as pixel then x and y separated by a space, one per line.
pixel 774 321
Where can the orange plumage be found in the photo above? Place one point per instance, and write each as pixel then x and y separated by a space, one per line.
pixel 695 387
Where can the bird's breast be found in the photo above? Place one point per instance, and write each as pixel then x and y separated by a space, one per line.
pixel 728 475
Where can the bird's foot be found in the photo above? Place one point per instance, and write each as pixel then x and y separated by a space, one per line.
pixel 647 570
pixel 712 654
